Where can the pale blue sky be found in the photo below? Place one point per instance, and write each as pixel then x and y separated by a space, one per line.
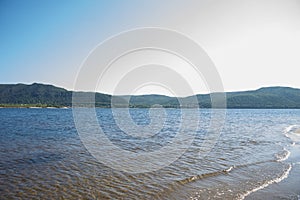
pixel 253 43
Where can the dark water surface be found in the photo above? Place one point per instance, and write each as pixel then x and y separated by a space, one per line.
pixel 256 157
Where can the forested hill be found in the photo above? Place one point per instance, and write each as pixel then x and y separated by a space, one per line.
pixel 38 94
pixel 22 95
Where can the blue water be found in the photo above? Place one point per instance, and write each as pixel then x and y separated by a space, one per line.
pixel 42 156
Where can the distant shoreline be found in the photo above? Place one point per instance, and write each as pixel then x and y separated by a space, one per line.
pixel 30 106
pixel 139 107
pixel 41 95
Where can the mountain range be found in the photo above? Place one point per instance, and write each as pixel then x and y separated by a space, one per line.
pixel 41 95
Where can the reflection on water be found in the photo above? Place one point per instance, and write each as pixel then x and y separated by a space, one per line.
pixel 42 157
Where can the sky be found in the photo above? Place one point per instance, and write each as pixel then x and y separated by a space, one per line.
pixel 252 43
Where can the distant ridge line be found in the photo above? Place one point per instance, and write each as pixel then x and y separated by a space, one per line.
pixel 45 95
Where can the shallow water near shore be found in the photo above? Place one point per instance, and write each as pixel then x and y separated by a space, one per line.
pixel 255 157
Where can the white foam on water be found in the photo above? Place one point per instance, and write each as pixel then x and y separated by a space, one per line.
pixel 266 184
pixel 289 128
pixel 285 156
pixel 287 132
pixel 229 169
pixel 293 133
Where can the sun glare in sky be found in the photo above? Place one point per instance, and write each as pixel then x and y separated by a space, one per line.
pixel 253 43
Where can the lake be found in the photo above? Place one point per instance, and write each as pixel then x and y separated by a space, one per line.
pixel 256 156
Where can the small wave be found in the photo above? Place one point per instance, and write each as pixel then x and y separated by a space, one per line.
pixel 293 144
pixel 266 184
pixel 206 175
pixel 224 171
pixel 287 131
pixel 292 129
pixel 283 156
pixel 293 133
pixel 228 170
pixel 289 128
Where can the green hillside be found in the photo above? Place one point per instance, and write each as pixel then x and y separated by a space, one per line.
pixel 22 95
pixel 269 97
